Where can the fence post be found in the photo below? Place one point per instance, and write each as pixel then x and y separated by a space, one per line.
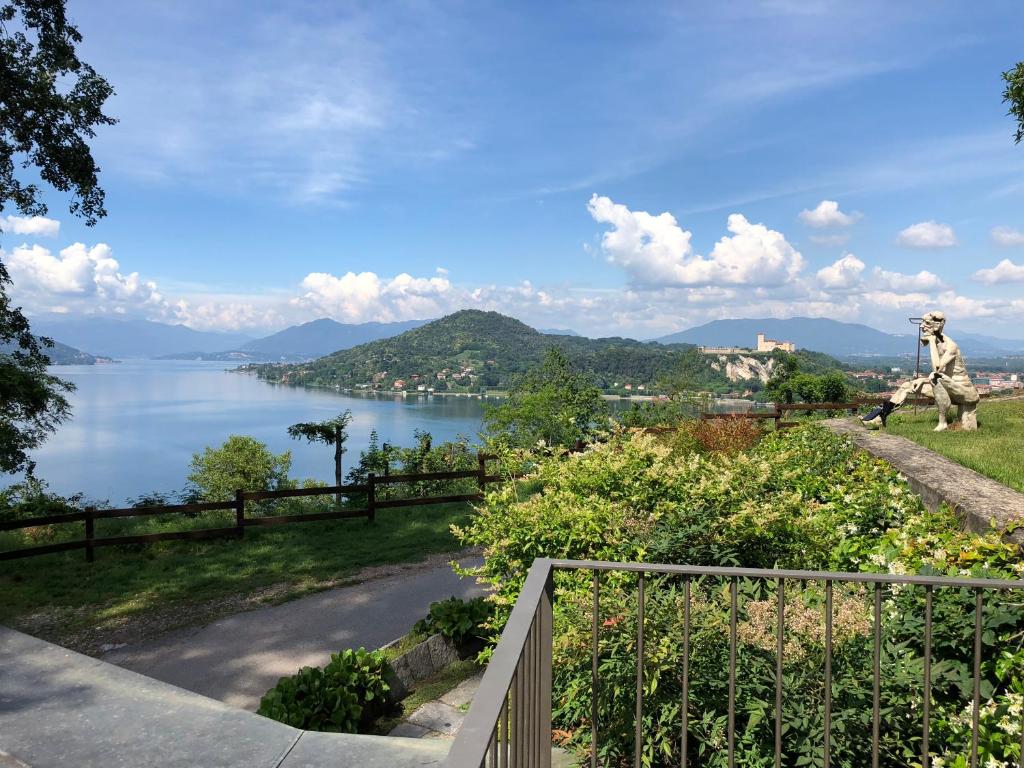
pixel 778 417
pixel 240 513
pixel 90 534
pixel 371 498
pixel 481 468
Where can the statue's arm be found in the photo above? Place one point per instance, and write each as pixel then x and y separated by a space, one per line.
pixel 949 352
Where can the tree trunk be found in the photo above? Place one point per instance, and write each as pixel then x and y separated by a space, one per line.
pixel 337 463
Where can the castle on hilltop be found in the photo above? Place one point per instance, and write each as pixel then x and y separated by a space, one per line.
pixel 763 345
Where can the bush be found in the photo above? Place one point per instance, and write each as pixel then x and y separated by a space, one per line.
pixel 458 620
pixel 803 498
pixel 30 498
pixel 242 463
pixel 346 696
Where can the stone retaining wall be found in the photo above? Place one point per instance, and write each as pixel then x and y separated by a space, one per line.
pixel 981 501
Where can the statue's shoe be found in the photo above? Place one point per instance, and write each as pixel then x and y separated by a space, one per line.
pixel 874 414
pixel 875 423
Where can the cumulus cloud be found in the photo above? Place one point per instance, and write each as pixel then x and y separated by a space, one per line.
pixel 367 296
pixel 842 275
pixel 655 250
pixel 1007 236
pixel 897 281
pixel 827 214
pixel 79 273
pixel 33 226
pixel 1003 272
pixel 927 234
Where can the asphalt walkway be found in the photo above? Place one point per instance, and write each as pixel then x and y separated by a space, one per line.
pixel 238 658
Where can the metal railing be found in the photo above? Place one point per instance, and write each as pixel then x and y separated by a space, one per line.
pixel 509 723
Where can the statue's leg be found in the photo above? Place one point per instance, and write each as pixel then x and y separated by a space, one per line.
pixel 969 416
pixel 942 401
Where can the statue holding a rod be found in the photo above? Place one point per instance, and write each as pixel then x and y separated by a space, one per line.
pixel 948 383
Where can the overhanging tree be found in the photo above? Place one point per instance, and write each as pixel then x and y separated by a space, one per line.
pixel 50 103
pixel 1014 96
pixel 330 432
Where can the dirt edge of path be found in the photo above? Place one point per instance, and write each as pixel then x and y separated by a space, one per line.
pixel 63 625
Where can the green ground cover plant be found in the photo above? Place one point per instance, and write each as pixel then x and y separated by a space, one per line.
pixel 803 498
pixel 346 696
pixel 995 450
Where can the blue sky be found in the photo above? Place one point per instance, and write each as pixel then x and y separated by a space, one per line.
pixel 614 168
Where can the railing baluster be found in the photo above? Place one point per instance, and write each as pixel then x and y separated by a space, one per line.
pixel 546 641
pixel 685 739
pixel 927 705
pixel 828 673
pixel 594 681
pixel 780 642
pixel 517 710
pixel 876 676
pixel 638 746
pixel 976 708
pixel 731 731
pixel 503 747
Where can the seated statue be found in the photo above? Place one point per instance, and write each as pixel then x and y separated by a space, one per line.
pixel 947 384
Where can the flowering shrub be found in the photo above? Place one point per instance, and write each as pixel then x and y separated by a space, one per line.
pixel 805 499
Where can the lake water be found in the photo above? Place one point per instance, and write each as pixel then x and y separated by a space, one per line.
pixel 136 424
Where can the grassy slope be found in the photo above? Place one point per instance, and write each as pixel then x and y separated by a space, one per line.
pixel 140 580
pixel 995 450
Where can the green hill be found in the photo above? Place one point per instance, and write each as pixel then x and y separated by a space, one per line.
pixel 471 351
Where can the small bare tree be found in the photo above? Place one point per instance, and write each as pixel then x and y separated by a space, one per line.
pixel 330 432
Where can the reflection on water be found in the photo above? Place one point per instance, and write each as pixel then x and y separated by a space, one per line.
pixel 136 424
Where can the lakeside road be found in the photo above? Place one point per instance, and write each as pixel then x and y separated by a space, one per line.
pixel 238 658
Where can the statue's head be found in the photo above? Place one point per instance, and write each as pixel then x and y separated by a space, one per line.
pixel 933 322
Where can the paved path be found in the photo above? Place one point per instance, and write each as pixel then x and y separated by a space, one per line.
pixel 237 659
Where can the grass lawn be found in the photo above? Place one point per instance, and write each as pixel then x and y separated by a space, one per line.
pixel 995 450
pixel 57 595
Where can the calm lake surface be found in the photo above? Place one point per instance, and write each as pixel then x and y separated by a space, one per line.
pixel 137 423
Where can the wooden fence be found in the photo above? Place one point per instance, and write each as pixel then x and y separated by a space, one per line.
pixel 90 515
pixel 782 408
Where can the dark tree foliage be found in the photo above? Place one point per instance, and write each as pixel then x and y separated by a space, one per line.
pixel 1014 96
pixel 33 402
pixel 50 103
pixel 330 432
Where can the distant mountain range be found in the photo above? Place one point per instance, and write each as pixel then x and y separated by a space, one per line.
pixel 128 337
pixel 842 340
pixel 62 354
pixel 306 342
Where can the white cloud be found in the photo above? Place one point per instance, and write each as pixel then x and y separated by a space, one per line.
pixel 927 234
pixel 842 275
pixel 655 250
pixel 1007 236
pixel 897 281
pixel 827 214
pixel 366 296
pixel 36 226
pixel 79 273
pixel 1003 272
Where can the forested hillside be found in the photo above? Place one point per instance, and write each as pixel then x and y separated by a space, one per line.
pixel 472 351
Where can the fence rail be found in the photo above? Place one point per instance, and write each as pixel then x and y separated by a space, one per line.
pixel 242 521
pixel 509 722
pixel 781 409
